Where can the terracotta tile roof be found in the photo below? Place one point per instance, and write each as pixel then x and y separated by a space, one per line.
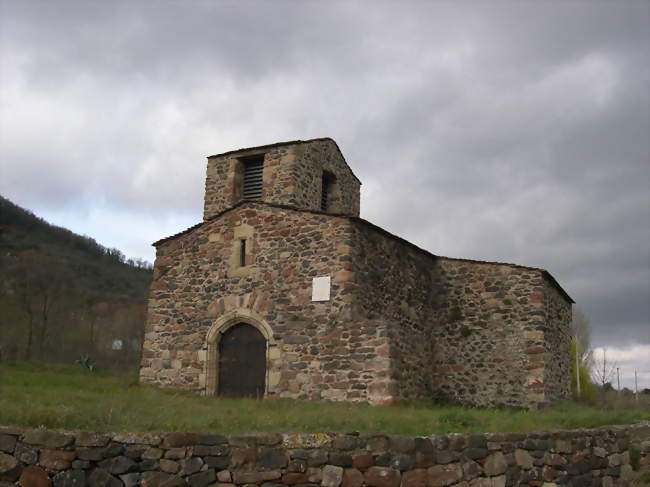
pixel 547 275
pixel 290 142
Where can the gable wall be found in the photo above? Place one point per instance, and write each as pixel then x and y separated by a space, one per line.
pixel 320 352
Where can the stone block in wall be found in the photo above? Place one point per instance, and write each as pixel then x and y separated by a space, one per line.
pixel 443 475
pixel 90 454
pixel 256 477
pixel 402 444
pixel 70 478
pixel 130 479
pixel 113 450
pixel 118 465
pixel 176 440
pixel 352 478
pixel 340 459
pixel 202 479
pixel 241 457
pixel 7 443
pixel 378 444
pixel 26 454
pixel 56 459
pixel 382 477
pixel 495 464
pixel 176 453
pixel 35 477
pixel 273 458
pixel 46 438
pixel 363 462
pixel 218 463
pixel 306 440
pixel 101 478
pixel 332 476
pixel 523 459
pixel 190 465
pixel 160 479
pixel 402 462
pixel 169 466
pixel 345 442
pixel 7 463
pixel 298 466
pixel 415 478
pixel 294 478
pixel 136 438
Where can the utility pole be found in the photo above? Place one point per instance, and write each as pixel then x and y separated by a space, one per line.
pixel 636 388
pixel 618 380
pixel 577 369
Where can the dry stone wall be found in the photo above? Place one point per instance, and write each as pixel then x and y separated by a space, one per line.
pixel 597 457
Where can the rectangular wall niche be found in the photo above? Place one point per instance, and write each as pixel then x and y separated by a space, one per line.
pixel 320 288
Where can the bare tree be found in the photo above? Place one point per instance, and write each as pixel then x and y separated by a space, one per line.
pixel 603 371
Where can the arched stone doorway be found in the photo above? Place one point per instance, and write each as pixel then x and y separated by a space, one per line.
pixel 212 347
pixel 242 362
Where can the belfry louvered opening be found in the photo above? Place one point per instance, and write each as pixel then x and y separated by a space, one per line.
pixel 253 169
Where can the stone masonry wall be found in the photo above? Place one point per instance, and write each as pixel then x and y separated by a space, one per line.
pixel 316 351
pixel 396 285
pixel 596 457
pixel 490 347
pixel 310 161
pixel 292 176
pixel 464 330
pixel 557 339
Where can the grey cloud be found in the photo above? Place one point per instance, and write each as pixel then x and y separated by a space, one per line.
pixel 500 131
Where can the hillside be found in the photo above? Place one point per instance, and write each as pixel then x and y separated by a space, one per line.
pixel 63 295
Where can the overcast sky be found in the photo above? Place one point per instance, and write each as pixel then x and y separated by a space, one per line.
pixel 505 131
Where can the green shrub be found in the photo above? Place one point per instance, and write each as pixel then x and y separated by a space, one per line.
pixel 588 390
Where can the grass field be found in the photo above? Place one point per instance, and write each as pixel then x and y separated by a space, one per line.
pixel 69 397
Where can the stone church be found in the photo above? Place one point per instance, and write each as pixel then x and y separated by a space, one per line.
pixel 284 291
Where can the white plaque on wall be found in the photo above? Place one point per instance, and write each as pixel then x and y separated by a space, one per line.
pixel 320 288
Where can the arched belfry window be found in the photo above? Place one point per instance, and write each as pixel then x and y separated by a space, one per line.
pixel 327 191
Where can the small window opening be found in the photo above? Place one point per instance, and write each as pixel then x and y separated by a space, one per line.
pixel 242 253
pixel 253 169
pixel 326 191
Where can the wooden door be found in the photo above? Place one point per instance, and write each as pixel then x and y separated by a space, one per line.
pixel 242 362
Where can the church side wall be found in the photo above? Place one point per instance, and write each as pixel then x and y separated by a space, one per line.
pixel 468 331
pixel 397 286
pixel 557 373
pixel 319 351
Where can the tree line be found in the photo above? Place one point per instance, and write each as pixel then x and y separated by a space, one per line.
pixel 64 295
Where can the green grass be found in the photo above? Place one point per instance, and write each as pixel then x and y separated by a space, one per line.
pixel 69 397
